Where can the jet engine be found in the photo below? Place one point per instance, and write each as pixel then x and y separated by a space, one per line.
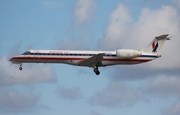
pixel 127 54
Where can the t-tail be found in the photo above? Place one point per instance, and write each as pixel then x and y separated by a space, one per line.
pixel 156 45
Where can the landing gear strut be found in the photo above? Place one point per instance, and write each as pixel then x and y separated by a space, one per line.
pixel 96 70
pixel 20 68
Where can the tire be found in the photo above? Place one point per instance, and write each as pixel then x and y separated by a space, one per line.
pixel 20 68
pixel 97 72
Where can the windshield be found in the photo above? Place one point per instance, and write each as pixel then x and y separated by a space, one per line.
pixel 26 53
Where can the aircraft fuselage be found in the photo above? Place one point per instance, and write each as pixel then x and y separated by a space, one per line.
pixel 74 57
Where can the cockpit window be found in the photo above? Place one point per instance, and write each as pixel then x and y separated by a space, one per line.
pixel 26 53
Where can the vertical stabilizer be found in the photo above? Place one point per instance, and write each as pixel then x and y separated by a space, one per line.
pixel 155 46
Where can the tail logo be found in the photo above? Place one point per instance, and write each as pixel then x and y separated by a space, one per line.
pixel 155 46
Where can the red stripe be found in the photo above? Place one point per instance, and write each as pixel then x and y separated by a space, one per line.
pixel 129 60
pixel 58 59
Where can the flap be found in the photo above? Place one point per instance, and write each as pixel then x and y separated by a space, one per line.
pixel 92 61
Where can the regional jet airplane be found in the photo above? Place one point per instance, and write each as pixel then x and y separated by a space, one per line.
pixel 93 59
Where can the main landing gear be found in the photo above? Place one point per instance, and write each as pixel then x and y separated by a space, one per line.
pixel 96 71
pixel 20 68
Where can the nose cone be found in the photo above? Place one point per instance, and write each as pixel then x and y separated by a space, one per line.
pixel 11 59
pixel 15 60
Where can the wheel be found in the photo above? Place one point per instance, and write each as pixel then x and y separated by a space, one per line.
pixel 20 68
pixel 97 72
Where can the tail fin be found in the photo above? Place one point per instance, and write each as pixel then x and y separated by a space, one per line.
pixel 156 45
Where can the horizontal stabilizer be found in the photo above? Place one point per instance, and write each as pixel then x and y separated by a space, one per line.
pixel 163 36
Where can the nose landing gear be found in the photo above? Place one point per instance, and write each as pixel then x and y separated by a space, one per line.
pixel 20 68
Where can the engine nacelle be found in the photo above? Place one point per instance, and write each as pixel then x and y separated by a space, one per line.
pixel 126 53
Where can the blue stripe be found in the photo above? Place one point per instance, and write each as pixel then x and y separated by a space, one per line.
pixel 152 56
pixel 70 54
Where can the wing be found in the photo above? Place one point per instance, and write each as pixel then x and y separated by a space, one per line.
pixel 93 61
